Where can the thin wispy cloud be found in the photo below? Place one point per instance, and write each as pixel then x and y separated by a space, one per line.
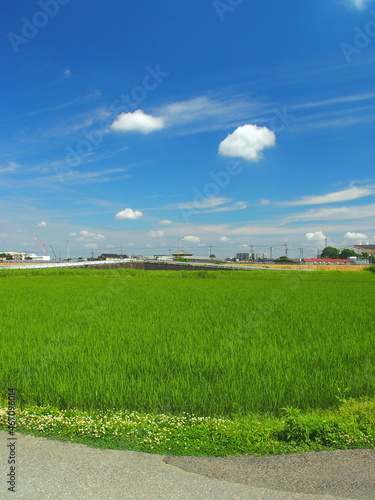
pixel 339 213
pixel 351 193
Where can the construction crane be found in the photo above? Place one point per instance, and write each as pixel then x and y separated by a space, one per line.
pixel 40 243
pixel 53 252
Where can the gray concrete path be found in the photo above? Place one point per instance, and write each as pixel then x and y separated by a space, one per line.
pixel 47 469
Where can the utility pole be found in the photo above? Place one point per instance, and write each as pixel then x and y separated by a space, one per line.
pixel 326 241
pixel 270 253
pixel 67 249
pixel 301 254
pixel 286 249
pixel 210 246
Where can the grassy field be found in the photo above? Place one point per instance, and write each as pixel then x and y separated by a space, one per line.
pixel 209 343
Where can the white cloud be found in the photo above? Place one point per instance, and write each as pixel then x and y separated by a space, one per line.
pixel 204 203
pixel 247 142
pixel 9 167
pixel 42 224
pixel 128 213
pixel 358 4
pixel 238 205
pixel 137 122
pixel 317 236
pixel 67 74
pixel 355 236
pixel 90 245
pixel 352 193
pixel 192 239
pixel 88 236
pixel 224 239
pixel 156 234
pixel 340 213
pixel 166 221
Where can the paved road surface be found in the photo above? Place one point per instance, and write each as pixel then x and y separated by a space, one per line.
pixel 47 469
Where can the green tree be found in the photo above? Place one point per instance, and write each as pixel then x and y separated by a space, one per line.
pixel 212 256
pixel 346 253
pixel 330 253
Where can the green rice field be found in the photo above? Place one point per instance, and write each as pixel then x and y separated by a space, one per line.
pixel 211 343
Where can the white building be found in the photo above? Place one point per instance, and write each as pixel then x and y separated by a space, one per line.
pixel 33 256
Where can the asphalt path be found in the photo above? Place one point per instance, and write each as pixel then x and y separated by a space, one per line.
pixel 48 469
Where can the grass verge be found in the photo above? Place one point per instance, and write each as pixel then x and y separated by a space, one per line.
pixel 350 425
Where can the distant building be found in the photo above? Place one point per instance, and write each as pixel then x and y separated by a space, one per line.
pixel 328 261
pixel 12 256
pixel 182 253
pixel 112 256
pixel 163 257
pixel 365 248
pixel 33 256
pixel 243 256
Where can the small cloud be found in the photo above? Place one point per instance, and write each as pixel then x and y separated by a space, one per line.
pixel 156 234
pixel 192 239
pixel 42 224
pixel 263 201
pixel 317 236
pixel 166 221
pixel 247 142
pixel 90 245
pixel 356 236
pixel 137 122
pixel 67 74
pixel 128 213
pixel 88 236
pixel 224 239
pixel 11 166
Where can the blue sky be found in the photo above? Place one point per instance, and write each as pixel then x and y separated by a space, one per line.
pixel 226 123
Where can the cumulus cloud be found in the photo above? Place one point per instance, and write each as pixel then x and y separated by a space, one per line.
pixel 87 234
pixel 356 236
pixel 192 239
pixel 90 245
pixel 137 122
pixel 128 213
pixel 72 234
pixel 351 193
pixel 42 224
pixel 317 236
pixel 166 221
pixel 247 142
pixel 156 234
pixel 67 74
